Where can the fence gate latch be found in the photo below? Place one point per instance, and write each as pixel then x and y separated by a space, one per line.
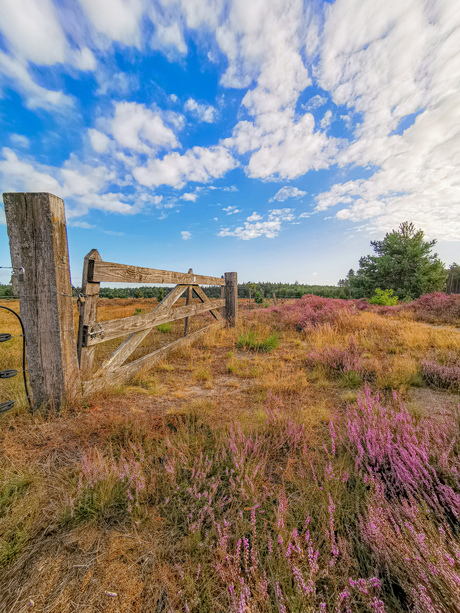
pixel 96 330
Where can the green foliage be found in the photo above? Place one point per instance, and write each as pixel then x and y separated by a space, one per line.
pixel 254 342
pixel 258 298
pixel 404 262
pixel 384 297
pixel 137 311
pixel 165 327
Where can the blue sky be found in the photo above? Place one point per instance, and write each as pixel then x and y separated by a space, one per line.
pixel 272 137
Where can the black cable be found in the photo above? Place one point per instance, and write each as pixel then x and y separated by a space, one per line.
pixel 23 353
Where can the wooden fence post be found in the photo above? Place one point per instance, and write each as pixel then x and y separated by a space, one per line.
pixel 88 312
pixel 38 243
pixel 188 300
pixel 231 298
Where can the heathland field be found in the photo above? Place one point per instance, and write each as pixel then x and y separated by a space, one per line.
pixel 306 460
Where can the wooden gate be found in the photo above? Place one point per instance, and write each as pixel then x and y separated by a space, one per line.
pixel 136 328
pixel 60 365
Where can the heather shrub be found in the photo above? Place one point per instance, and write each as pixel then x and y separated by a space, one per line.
pixel 310 311
pixel 444 375
pixel 436 308
pixel 347 362
pixel 108 489
pixel 409 458
pixel 419 556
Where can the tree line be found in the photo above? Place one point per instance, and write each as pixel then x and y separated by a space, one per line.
pixel 403 263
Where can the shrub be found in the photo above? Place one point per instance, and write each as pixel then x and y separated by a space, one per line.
pixel 310 311
pixel 436 308
pixel 445 375
pixel 384 297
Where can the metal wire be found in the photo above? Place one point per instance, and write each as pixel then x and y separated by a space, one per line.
pixel 23 354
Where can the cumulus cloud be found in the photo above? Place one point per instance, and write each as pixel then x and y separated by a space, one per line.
pixel 136 127
pixel 287 192
pixel 231 210
pixel 119 20
pixel 204 112
pixel 99 141
pixel 367 65
pixel 186 235
pixel 189 196
pixel 253 227
pixel 198 164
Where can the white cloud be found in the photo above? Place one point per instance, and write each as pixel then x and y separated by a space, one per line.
pixel 253 227
pixel 367 64
pixel 314 103
pixel 20 140
pixel 231 210
pixel 33 31
pixel 169 36
pixel 284 146
pixel 326 120
pixel 99 141
pixel 190 197
pixel 204 112
pixel 287 192
pixel 136 127
pixel 84 60
pixel 186 235
pixel 117 19
pixel 197 164
pixel 81 224
pixel 174 98
pixel 36 95
pixel 82 183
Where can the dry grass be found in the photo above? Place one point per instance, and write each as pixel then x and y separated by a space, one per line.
pixel 54 564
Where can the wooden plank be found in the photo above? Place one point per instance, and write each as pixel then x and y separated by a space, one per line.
pixel 126 372
pixel 122 353
pixel 231 298
pixel 124 273
pixel 88 313
pixel 171 298
pixel 188 300
pixel 38 243
pixel 115 328
pixel 202 296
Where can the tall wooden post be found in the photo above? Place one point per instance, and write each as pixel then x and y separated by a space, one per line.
pixel 231 298
pixel 38 244
pixel 188 300
pixel 88 312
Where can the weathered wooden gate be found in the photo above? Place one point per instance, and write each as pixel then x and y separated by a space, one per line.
pixel 60 365
pixel 136 328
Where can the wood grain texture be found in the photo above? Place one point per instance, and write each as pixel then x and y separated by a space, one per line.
pixel 231 298
pixel 202 296
pixel 106 380
pixel 88 313
pixel 188 300
pixel 171 298
pixel 122 353
pixel 38 243
pixel 115 328
pixel 123 273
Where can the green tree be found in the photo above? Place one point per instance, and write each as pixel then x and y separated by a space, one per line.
pixel 404 262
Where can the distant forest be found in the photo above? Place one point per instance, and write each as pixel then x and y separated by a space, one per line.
pixel 264 289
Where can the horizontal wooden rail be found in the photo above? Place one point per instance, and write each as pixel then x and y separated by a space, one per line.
pixel 108 272
pixel 107 379
pixel 114 328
